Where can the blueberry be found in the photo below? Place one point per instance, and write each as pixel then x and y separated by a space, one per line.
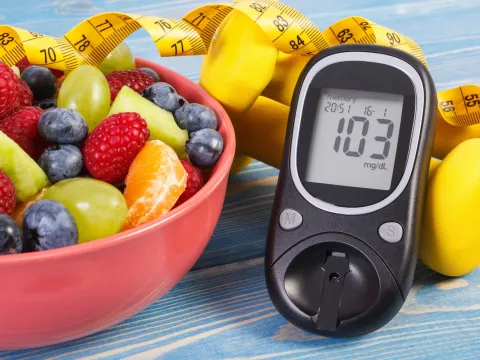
pixel 162 95
pixel 61 162
pixel 204 148
pixel 41 81
pixel 47 224
pixel 11 238
pixel 182 101
pixel 194 117
pixel 151 73
pixel 46 103
pixel 63 126
pixel 178 115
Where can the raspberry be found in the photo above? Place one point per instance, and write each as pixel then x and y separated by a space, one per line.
pixel 40 144
pixel 134 79
pixel 21 127
pixel 111 147
pixel 23 64
pixel 194 182
pixel 25 95
pixel 57 73
pixel 115 87
pixel 7 194
pixel 9 88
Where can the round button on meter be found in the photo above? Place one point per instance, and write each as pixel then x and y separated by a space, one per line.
pixel 355 165
pixel 290 219
pixel 391 232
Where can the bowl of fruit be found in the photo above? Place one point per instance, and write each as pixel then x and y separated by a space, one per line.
pixel 112 180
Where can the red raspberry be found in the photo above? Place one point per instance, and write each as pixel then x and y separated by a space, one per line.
pixel 25 95
pixel 40 144
pixel 111 147
pixel 134 79
pixel 21 127
pixel 57 73
pixel 7 194
pixel 24 63
pixel 194 182
pixel 9 88
pixel 115 87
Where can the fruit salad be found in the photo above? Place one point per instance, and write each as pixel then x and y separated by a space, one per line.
pixel 96 151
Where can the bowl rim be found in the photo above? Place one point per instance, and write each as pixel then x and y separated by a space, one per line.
pixel 219 172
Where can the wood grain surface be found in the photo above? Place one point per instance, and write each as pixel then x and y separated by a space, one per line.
pixel 223 311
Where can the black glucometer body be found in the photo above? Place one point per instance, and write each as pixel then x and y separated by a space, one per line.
pixel 342 242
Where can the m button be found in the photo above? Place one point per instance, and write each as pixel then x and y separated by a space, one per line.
pixel 290 219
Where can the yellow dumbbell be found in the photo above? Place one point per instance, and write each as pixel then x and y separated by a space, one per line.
pixel 447 136
pixel 260 131
pixel 434 164
pixel 240 162
pixel 450 240
pixel 239 64
pixel 287 71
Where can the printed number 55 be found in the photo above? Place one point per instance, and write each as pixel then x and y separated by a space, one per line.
pixel 470 99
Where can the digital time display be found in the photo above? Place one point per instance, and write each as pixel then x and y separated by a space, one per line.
pixel 355 138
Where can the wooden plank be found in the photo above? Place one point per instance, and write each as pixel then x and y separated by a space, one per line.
pixel 224 312
pixel 242 227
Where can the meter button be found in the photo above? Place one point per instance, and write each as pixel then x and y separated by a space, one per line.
pixel 290 219
pixel 391 232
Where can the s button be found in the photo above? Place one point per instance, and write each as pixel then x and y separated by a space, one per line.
pixel 391 232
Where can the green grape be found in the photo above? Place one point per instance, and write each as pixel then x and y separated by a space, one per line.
pixel 28 178
pixel 99 208
pixel 121 58
pixel 160 122
pixel 86 90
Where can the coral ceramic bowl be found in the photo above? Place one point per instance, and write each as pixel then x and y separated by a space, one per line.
pixel 59 295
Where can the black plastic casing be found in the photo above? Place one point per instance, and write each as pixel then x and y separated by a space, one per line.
pixel 374 276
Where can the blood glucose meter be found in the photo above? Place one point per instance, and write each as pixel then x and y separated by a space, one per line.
pixel 344 229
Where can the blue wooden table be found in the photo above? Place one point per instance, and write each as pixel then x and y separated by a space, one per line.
pixel 221 310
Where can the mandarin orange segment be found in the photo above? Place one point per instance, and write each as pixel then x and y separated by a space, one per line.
pixel 155 181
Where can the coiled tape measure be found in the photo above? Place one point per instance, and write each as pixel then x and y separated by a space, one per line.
pixel 291 32
pixel 352 276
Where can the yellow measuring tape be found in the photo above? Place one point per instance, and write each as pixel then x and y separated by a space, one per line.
pixel 291 32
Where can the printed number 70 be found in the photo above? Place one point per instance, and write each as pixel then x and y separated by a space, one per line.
pixel 49 54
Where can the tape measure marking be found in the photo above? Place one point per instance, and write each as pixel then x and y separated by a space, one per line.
pixel 291 32
pixel 460 106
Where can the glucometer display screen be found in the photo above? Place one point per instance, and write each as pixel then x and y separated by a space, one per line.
pixel 355 138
